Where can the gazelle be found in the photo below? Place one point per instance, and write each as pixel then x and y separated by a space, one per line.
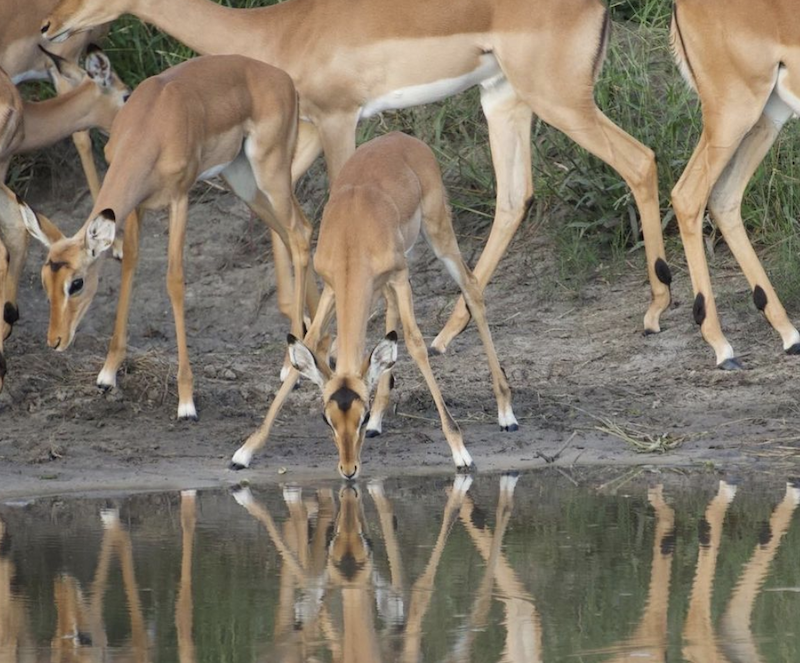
pixel 90 98
pixel 746 100
pixel 389 191
pixel 352 59
pixel 22 59
pixel 225 115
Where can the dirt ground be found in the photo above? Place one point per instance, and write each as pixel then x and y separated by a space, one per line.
pixel 588 387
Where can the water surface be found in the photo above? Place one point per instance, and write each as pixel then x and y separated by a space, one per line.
pixel 540 568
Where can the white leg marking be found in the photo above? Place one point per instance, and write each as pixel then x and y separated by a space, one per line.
pixel 242 457
pixel 792 339
pixel 375 489
pixel 189 493
pixel 462 483
pixel 375 422
pixel 292 494
pixel 508 482
pixel 109 518
pixel 727 490
pixel 506 418
pixel 462 458
pixel 107 378
pixel 187 410
pixel 727 353
pixel 243 496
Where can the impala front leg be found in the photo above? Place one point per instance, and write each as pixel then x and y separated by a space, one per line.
pixel 175 285
pixel 83 143
pixel 416 348
pixel 119 341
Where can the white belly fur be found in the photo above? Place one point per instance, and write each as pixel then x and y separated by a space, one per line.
pixel 213 171
pixel 416 95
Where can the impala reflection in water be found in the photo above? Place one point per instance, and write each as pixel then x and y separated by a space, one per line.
pixel 496 568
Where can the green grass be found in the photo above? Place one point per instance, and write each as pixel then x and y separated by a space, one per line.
pixel 640 89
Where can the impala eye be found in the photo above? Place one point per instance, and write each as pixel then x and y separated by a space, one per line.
pixel 75 287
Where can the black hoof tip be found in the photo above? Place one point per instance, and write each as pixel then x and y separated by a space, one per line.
pixel 510 429
pixel 732 364
pixel 794 350
pixel 104 388
pixel 371 432
pixel 651 332
pixel 192 417
pixel 513 474
pixel 794 482
pixel 467 469
pixel 237 467
pixel 434 352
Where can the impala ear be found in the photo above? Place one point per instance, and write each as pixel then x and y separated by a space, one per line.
pixel 383 357
pixel 98 66
pixel 306 363
pixel 39 227
pixel 100 233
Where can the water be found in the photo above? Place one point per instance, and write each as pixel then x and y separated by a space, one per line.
pixel 407 570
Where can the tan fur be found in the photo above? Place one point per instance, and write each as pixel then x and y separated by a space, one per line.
pixel 743 59
pixel 345 54
pixel 176 126
pixel 388 192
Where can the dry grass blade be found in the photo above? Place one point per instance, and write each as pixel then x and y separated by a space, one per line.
pixel 639 439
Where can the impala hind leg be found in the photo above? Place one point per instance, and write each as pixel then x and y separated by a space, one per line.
pixel 16 239
pixel 438 230
pixel 386 381
pixel 416 348
pixel 725 205
pixel 244 454
pixel 118 347
pixel 724 129
pixel 178 213
pixel 509 122
pixel 3 274
pixel 83 143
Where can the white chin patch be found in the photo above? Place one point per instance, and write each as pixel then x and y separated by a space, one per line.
pixel 242 457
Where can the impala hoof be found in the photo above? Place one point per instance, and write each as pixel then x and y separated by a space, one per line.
pixel 794 350
pixel 236 466
pixel 510 429
pixel 187 412
pixel 732 364
pixel 651 332
pixel 467 469
pixel 372 432
pixel 433 351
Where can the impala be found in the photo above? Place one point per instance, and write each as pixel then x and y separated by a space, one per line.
pixel 351 59
pixel 746 70
pixel 387 193
pixel 173 131
pixel 90 98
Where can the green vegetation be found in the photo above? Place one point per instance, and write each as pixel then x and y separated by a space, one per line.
pixel 640 89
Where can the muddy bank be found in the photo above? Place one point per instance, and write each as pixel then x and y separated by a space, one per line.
pixel 586 383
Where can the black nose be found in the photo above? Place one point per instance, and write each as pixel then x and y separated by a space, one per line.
pixel 45 27
pixel 352 475
pixel 57 343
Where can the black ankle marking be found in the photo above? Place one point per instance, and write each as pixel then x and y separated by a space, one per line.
pixel 668 543
pixel 478 517
pixel 391 381
pixel 699 308
pixel 704 533
pixel 3 366
pixel 765 534
pixel 10 313
pixel 663 272
pixel 760 298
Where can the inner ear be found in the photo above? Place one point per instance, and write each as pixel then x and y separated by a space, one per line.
pixel 383 357
pixel 98 66
pixel 306 362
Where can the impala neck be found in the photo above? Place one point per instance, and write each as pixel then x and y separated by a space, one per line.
pixel 47 122
pixel 353 306
pixel 209 28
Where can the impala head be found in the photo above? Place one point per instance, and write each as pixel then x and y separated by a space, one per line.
pixel 346 398
pixel 71 16
pixel 97 76
pixel 350 551
pixel 71 272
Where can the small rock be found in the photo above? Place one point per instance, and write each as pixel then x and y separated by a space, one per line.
pixel 209 371
pixel 228 374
